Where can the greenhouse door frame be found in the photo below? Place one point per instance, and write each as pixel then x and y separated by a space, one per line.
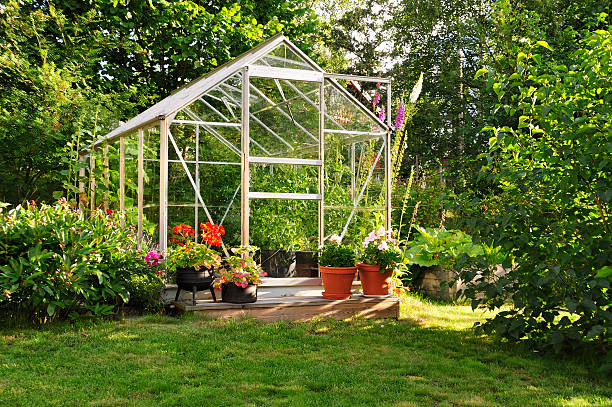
pixel 258 71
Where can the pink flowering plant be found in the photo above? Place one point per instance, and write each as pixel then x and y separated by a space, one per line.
pixel 380 248
pixel 153 259
pixel 239 269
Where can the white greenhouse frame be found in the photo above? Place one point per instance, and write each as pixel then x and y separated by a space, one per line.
pixel 164 114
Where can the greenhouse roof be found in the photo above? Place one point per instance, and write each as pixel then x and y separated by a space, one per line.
pixel 262 56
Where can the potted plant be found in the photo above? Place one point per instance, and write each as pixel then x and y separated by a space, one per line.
pixel 239 276
pixel 337 267
pixel 195 263
pixel 381 256
pixel 432 255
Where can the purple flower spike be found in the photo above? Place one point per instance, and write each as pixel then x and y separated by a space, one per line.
pixel 399 119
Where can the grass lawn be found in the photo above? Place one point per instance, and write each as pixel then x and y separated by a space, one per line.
pixel 428 358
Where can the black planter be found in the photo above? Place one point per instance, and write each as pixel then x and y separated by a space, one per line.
pixel 191 280
pixel 238 295
pixel 277 262
pixel 306 264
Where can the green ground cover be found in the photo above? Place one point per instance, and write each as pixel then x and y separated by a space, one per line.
pixel 428 358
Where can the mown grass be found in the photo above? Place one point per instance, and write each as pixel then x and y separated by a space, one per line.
pixel 428 358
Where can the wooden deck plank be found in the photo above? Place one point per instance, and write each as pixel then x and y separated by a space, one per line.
pixel 298 308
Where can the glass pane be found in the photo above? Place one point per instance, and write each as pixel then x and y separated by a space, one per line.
pixel 342 113
pixel 285 120
pixel 284 178
pixel 283 57
pixel 280 227
pixel 131 182
pixel 151 185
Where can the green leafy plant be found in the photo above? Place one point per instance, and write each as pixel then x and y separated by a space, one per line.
pixel 550 164
pixel 440 247
pixel 193 256
pixel 335 254
pixel 54 261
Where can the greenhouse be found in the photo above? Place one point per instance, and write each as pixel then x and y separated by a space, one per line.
pixel 279 152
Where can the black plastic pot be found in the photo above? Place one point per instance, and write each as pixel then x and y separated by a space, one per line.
pixel 189 279
pixel 306 264
pixel 238 295
pixel 277 262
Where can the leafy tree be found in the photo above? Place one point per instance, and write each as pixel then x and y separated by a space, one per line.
pixel 551 170
pixel 46 101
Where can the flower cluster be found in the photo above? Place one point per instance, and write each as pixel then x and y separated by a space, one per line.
pixel 381 114
pixel 379 237
pixel 181 234
pixel 211 234
pixel 381 249
pixel 239 269
pixel 153 258
pixel 376 100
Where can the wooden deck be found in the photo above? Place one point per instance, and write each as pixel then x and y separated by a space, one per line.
pixel 298 308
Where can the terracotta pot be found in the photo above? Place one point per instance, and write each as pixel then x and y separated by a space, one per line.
pixel 373 281
pixel 337 282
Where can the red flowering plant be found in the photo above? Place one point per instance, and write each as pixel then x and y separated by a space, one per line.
pixel 181 234
pixel 191 255
pixel 239 269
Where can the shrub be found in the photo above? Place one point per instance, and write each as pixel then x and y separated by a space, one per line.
pixel 56 262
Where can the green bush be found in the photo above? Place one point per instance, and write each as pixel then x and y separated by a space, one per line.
pixel 55 262
pixel 552 168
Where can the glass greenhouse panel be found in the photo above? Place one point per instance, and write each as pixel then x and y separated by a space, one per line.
pixel 342 113
pixel 283 57
pixel 151 180
pixel 284 224
pixel 283 178
pixel 131 182
pixel 285 119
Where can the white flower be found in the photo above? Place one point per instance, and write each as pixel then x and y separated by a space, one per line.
pixel 335 239
pixel 383 246
pixel 380 232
